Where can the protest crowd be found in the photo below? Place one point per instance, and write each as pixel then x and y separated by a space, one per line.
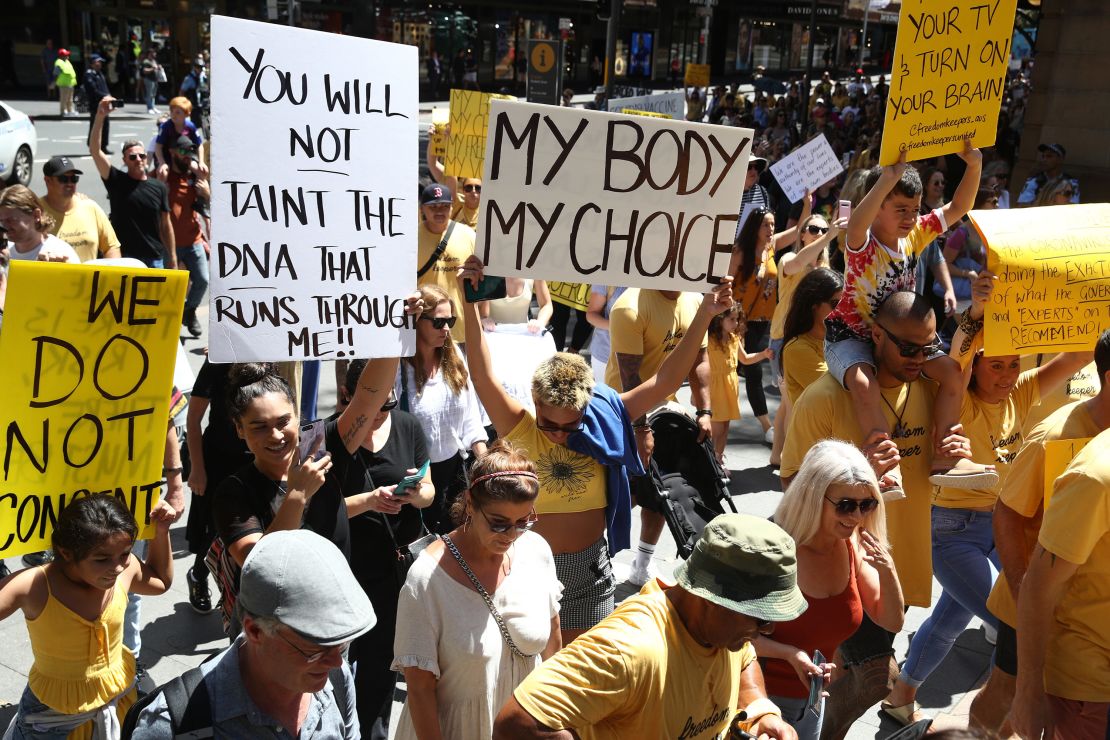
pixel 447 529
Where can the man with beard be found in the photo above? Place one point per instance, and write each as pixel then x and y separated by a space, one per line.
pixel 442 246
pixel 189 194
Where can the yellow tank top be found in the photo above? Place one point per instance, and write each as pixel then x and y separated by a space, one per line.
pixel 80 665
pixel 569 481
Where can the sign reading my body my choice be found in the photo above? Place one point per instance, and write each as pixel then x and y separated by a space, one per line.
pixel 313 213
pixel 593 197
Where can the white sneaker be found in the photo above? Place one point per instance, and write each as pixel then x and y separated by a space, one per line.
pixel 639 576
pixel 990 634
pixel 769 436
pixel 152 111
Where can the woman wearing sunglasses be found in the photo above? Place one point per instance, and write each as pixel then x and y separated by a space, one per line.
pixel 480 607
pixel 433 385
pixel 836 516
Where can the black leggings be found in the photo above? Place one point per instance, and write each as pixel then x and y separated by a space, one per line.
pixel 449 482
pixel 755 340
pixel 372 655
pixel 560 317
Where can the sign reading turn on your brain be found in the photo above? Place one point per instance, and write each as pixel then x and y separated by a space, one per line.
pixel 950 64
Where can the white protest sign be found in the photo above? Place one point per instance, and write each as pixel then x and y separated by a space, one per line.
pixel 807 168
pixel 671 103
pixel 516 353
pixel 314 219
pixel 587 196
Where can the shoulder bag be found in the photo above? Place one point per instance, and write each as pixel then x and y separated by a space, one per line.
pixel 438 251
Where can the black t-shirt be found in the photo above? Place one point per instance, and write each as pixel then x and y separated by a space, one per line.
pixel 246 503
pixel 372 549
pixel 137 208
pixel 224 451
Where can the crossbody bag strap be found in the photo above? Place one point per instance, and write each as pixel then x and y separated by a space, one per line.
pixel 385 517
pixel 438 251
pixel 485 595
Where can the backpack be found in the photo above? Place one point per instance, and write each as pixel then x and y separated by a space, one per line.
pixel 190 709
pixel 225 571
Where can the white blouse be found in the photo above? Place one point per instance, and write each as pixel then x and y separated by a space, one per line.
pixel 452 423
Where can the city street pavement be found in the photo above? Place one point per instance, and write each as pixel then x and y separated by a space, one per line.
pixel 175 638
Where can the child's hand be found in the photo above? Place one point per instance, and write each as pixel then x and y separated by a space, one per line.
pixel 970 154
pixel 894 171
pixel 767 354
pixel 162 516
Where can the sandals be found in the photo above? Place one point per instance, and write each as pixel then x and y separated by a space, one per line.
pixel 904 714
pixel 965 474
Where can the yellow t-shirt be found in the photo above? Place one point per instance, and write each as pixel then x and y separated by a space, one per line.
pixel 464 215
pixel 637 674
pixel 1079 387
pixel 803 362
pixel 787 285
pixel 645 323
pixel 996 434
pixel 825 411
pixel 569 481
pixel 443 272
pixel 1077 528
pixel 1024 490
pixel 85 227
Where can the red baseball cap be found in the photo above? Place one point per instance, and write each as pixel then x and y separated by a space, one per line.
pixel 63 52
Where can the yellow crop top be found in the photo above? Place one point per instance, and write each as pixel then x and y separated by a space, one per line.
pixel 569 481
pixel 80 665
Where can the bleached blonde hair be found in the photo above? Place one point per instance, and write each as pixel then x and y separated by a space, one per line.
pixel 563 381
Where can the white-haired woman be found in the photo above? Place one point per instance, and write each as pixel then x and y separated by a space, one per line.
pixel 836 516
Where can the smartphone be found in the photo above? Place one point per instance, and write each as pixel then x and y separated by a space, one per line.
pixel 409 482
pixel 816 686
pixel 117 103
pixel 844 210
pixel 489 288
pixel 311 434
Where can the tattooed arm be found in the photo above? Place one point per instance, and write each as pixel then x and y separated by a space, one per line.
pixel 374 386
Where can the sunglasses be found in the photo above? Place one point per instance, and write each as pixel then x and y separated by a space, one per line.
pixel 909 349
pixel 472 188
pixel 314 657
pixel 814 229
pixel 137 157
pixel 503 528
pixel 389 405
pixel 68 179
pixel 848 505
pixel 185 152
pixel 441 321
pixel 1067 193
pixel 556 429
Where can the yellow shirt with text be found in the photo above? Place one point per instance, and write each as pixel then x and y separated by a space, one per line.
pixel 1024 490
pixel 996 432
pixel 1077 528
pixel 85 227
pixel 803 362
pixel 825 411
pixel 1079 387
pixel 569 481
pixel 443 272
pixel 637 674
pixel 647 324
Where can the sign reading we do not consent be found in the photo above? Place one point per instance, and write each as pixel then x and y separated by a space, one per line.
pixel 593 197
pixel 313 209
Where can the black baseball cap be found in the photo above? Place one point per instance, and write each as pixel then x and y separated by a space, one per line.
pixel 184 142
pixel 59 166
pixel 435 193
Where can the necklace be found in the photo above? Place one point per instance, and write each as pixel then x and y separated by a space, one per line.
pixel 506 563
pixel 899 428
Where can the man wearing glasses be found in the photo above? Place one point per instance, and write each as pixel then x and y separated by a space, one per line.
pixel 78 221
pixel 140 204
pixel 285 674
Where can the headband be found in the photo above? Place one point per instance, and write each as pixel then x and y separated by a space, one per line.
pixel 488 476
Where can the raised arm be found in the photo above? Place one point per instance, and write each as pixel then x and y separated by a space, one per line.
pixel 864 214
pixel 795 262
pixel 964 197
pixel 794 232
pixel 100 159
pixel 371 391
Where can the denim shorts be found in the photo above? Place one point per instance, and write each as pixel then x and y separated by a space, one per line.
pixel 842 355
pixel 776 363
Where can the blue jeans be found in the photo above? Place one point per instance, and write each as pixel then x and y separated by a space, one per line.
pixel 966 564
pixel 132 636
pixel 805 723
pixel 194 260
pixel 150 92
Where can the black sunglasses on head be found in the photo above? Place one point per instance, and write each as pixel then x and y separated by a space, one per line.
pixel 848 505
pixel 909 349
pixel 815 229
pixel 441 321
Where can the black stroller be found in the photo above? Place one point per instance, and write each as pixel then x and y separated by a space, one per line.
pixel 689 481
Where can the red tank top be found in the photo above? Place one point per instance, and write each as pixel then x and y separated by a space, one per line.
pixel 823 626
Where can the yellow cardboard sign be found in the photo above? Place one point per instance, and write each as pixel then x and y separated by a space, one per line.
pixel 1058 454
pixel 648 113
pixel 950 64
pixel 575 295
pixel 440 118
pixel 466 149
pixel 89 355
pixel 697 75
pixel 1053 268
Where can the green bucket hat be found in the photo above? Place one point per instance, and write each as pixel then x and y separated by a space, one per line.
pixel 745 564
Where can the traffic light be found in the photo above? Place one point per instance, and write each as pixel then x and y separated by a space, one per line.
pixel 603 10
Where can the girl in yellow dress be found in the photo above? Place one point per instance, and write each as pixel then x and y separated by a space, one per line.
pixel 726 348
pixel 82 680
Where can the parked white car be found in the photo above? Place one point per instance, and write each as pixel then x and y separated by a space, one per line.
pixel 17 146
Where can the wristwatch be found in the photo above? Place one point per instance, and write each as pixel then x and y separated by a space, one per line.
pixel 703 412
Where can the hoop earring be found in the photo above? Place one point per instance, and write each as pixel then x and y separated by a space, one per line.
pixel 466 524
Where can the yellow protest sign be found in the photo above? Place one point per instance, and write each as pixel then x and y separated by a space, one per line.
pixel 950 63
pixel 440 118
pixel 469 120
pixel 648 113
pixel 1058 454
pixel 1053 268
pixel 575 295
pixel 697 75
pixel 87 375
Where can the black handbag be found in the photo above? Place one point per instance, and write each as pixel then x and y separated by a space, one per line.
pixel 407 554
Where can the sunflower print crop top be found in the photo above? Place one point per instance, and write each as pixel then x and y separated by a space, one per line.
pixel 569 481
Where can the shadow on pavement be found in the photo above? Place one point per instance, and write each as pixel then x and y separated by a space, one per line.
pixel 181 634
pixel 753 480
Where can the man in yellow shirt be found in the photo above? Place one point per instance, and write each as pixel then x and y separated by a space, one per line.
pixel 1064 608
pixel 673 661
pixel 644 327
pixel 78 220
pixel 1017 522
pixel 443 245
